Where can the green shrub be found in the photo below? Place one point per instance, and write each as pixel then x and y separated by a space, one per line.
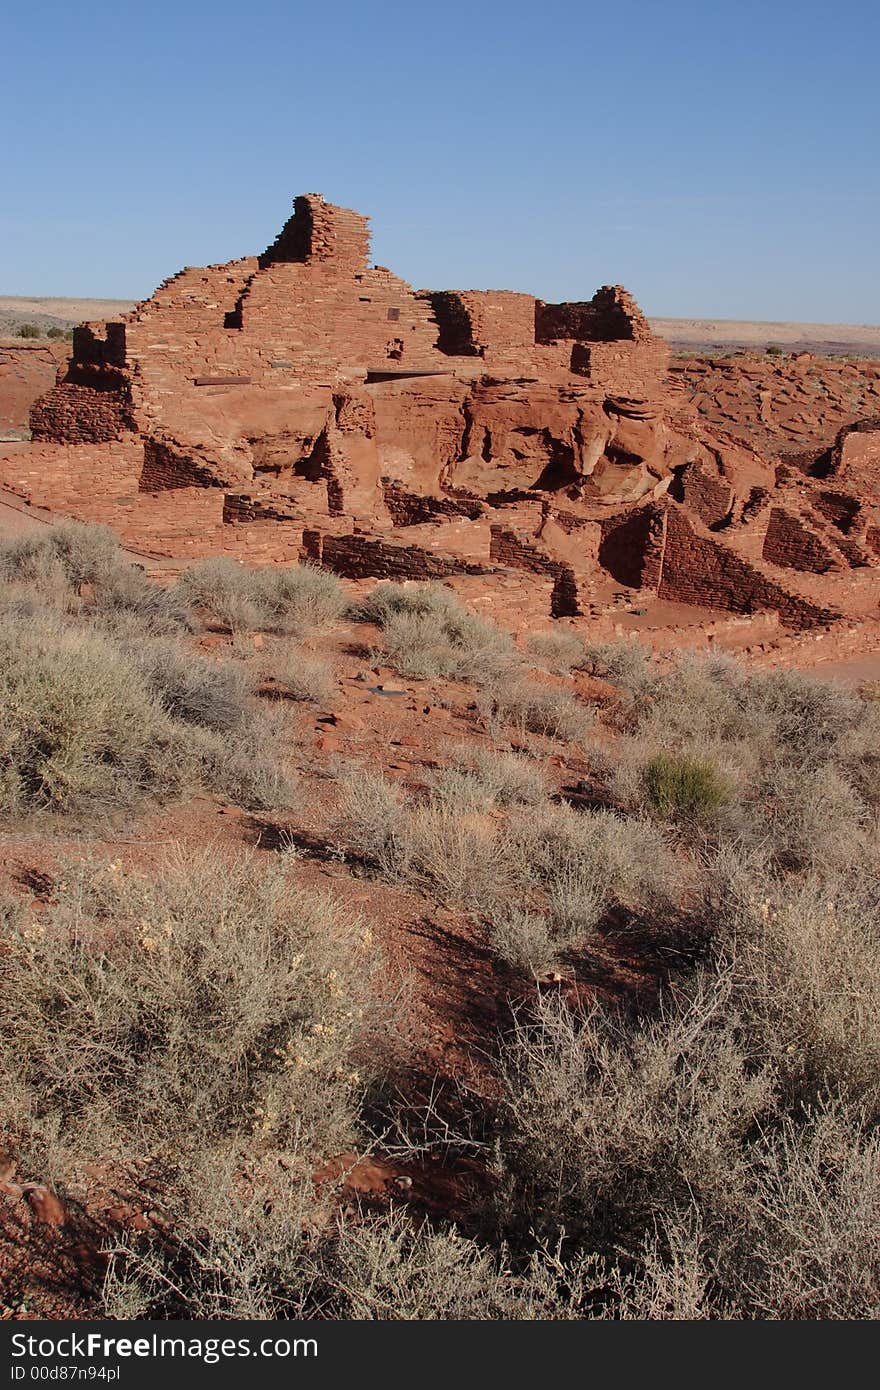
pixel 682 788
pixel 28 330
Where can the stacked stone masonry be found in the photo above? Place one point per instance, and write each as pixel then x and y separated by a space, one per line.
pixel 305 402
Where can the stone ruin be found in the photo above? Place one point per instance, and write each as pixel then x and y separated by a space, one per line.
pixel 307 404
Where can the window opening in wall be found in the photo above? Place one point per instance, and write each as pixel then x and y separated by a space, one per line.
pixel 394 315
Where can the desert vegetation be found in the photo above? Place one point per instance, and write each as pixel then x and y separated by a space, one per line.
pixel 672 897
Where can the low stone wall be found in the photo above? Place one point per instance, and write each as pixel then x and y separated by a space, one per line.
pixel 359 557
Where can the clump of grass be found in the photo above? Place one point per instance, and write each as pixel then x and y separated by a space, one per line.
pixel 621 663
pixel 477 779
pixel 558 652
pixel 686 789
pixel 302 598
pixel 531 707
pixel 205 1008
pixel 296 598
pixel 303 677
pixel 429 635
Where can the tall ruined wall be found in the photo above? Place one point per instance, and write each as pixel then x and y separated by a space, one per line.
pixel 321 233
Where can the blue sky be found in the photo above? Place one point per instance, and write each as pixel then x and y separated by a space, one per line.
pixel 719 160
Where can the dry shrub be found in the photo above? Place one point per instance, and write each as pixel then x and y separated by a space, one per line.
pixel 296 598
pixel 530 707
pixel 81 569
pixel 302 676
pixel 629 859
pixel 625 664
pixel 207 1008
pixel 87 726
pixel 806 958
pixel 608 1125
pixel 225 589
pixel 302 598
pixel 558 652
pixel 478 779
pixel 370 820
pixel 193 688
pixel 79 728
pixel 429 635
pixel 816 1241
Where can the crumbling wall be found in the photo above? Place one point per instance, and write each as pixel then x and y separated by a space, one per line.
pixel 790 543
pixel 74 414
pixel 611 315
pixel 632 545
pixel 508 549
pixel 622 369
pixel 361 557
pixel 414 509
pixel 699 570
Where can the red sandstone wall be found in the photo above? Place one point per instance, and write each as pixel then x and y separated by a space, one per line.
pixel 632 545
pixel 709 497
pixel 360 557
pixel 700 571
pixel 611 314
pixel 71 414
pixel 512 551
pixel 790 543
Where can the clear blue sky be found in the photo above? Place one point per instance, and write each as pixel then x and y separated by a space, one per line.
pixel 718 159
